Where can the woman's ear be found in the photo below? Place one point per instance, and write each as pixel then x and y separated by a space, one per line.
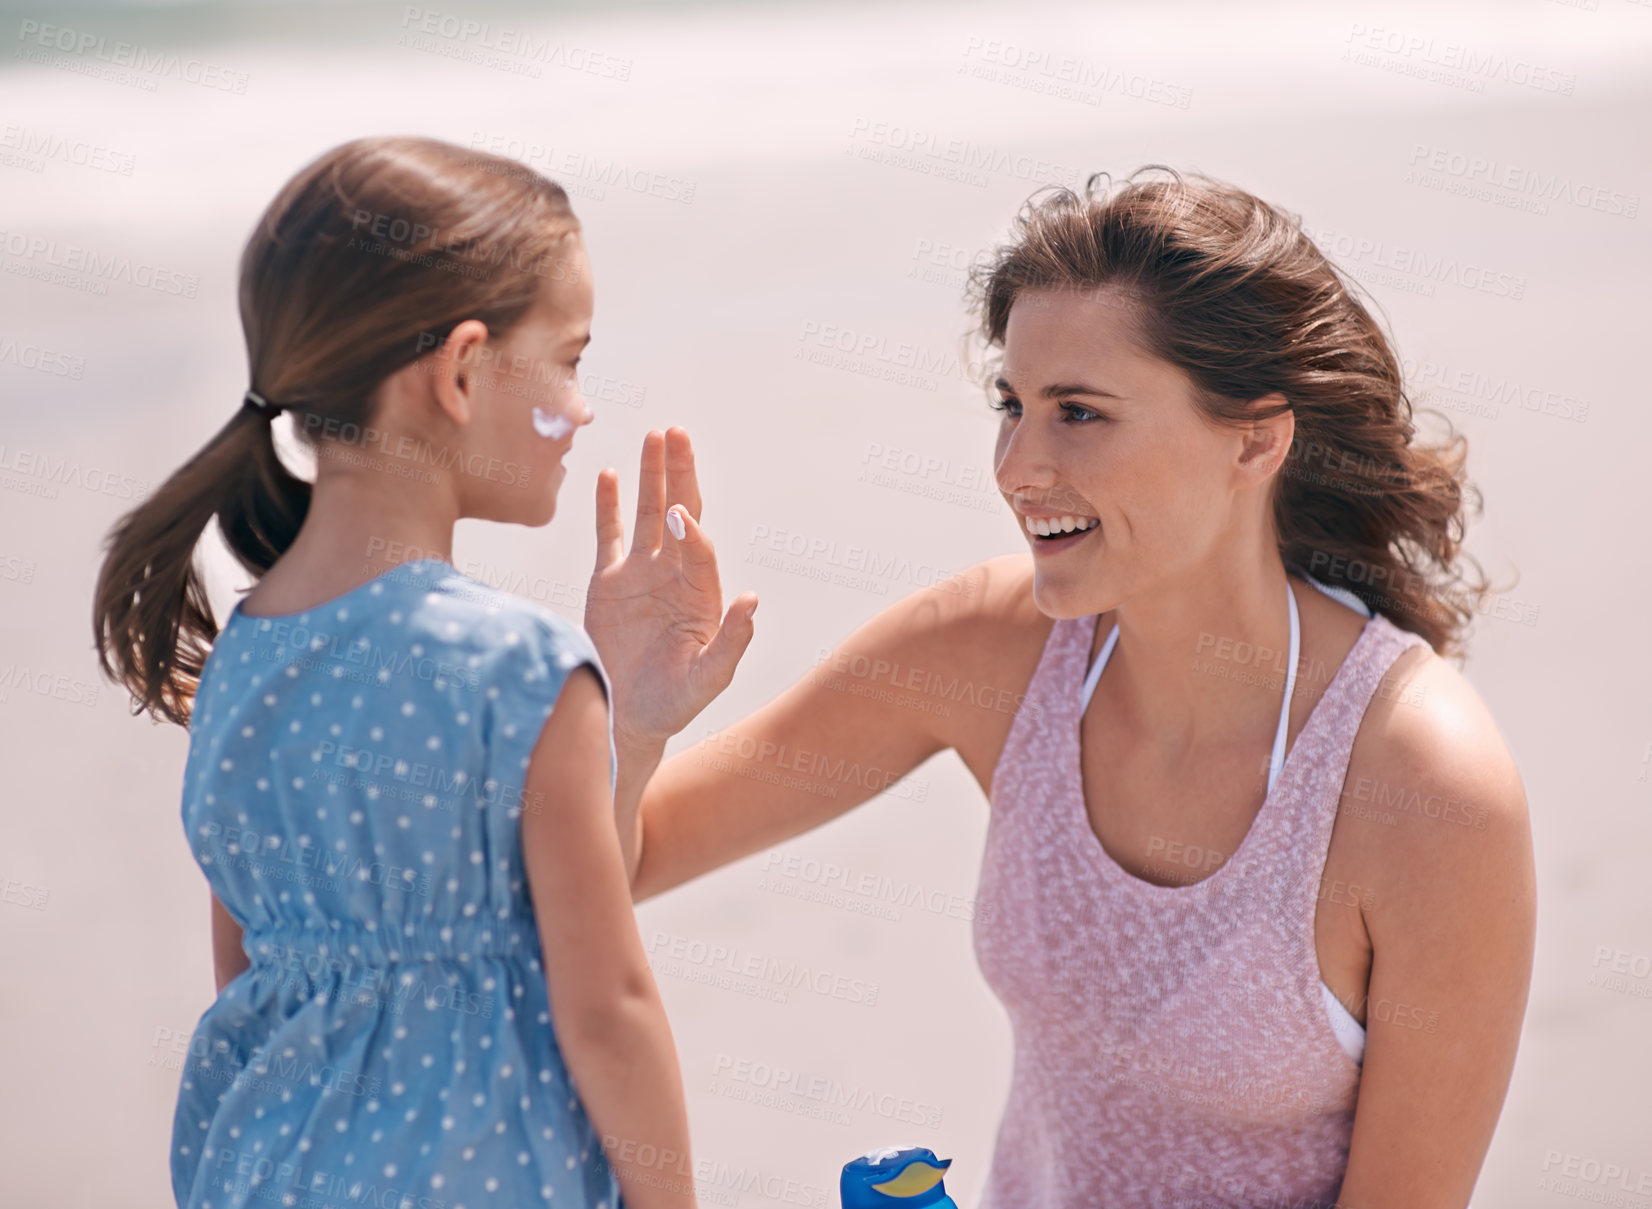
pixel 1267 443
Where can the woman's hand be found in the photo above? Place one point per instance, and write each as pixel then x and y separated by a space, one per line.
pixel 654 613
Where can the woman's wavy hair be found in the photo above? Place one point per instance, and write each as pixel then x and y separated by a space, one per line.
pixel 365 261
pixel 1229 289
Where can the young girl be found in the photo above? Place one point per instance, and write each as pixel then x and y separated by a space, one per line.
pixel 432 991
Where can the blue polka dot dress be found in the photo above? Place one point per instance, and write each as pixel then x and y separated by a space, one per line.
pixel 353 791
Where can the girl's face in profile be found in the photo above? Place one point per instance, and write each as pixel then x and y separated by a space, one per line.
pixel 528 398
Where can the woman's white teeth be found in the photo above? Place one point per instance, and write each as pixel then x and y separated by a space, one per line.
pixel 1059 524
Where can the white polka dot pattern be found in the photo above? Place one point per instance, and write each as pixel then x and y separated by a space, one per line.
pixel 353 793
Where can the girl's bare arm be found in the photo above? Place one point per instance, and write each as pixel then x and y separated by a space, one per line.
pixel 605 1006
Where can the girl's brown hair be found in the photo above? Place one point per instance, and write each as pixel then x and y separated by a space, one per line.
pixel 363 263
pixel 1229 289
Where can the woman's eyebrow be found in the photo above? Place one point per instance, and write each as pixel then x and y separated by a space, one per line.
pixel 1061 390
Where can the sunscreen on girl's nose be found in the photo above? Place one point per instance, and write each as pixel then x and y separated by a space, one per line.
pixel 896 1177
pixel 554 427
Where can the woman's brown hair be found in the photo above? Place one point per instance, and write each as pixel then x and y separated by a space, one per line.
pixel 363 263
pixel 1229 289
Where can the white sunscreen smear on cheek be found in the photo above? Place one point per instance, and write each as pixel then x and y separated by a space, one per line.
pixel 554 427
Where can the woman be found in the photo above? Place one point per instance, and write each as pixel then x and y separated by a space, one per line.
pixel 1259 901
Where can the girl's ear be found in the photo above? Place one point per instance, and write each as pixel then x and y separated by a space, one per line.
pixel 455 379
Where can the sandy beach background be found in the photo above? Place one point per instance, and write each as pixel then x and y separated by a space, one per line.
pixel 778 235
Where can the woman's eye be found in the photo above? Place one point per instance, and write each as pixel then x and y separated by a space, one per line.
pixel 1078 415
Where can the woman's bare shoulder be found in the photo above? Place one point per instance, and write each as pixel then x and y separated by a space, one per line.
pixel 992 613
pixel 985 638
pixel 1435 785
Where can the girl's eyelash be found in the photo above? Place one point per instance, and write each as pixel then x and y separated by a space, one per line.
pixel 1070 408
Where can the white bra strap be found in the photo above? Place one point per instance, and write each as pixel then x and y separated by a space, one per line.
pixel 1095 668
pixel 1276 761
pixel 1342 594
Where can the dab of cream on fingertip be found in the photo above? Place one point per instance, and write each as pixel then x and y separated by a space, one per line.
pixel 547 425
pixel 674 521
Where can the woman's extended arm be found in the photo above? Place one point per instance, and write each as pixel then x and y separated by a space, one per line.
pixel 1452 932
pixel 854 724
pixel 881 704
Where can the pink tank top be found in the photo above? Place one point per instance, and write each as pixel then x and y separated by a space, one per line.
pixel 1171 1042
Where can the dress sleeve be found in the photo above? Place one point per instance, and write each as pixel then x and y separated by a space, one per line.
pixel 537 662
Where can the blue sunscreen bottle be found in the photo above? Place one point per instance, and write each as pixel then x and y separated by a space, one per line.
pixel 896 1176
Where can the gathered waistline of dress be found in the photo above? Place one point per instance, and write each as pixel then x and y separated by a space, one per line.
pixel 349 946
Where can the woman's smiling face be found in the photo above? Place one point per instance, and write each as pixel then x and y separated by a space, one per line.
pixel 1097 429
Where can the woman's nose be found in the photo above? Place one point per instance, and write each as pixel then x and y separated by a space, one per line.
pixel 1025 464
